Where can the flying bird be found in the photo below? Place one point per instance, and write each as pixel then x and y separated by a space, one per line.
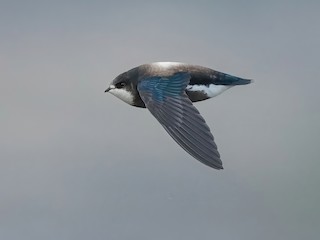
pixel 167 90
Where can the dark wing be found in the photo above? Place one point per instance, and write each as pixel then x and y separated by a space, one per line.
pixel 166 99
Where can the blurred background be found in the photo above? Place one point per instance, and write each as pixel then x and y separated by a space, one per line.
pixel 76 163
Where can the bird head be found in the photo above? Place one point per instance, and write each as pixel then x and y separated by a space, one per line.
pixel 124 87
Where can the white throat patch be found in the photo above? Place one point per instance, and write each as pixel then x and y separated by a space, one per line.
pixel 212 90
pixel 122 94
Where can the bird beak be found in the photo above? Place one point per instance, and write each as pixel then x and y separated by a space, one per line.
pixel 109 88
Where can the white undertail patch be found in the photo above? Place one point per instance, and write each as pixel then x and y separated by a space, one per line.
pixel 166 64
pixel 211 91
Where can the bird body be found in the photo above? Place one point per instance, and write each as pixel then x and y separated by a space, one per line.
pixel 168 89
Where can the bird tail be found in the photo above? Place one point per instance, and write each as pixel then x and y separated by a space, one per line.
pixel 242 81
pixel 232 80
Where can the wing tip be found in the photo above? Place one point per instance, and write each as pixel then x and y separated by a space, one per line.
pixel 215 165
pixel 220 168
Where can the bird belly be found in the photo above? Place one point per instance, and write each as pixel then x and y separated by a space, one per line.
pixel 201 92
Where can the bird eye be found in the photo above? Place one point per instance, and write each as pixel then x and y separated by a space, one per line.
pixel 120 84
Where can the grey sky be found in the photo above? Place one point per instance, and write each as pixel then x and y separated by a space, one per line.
pixel 76 163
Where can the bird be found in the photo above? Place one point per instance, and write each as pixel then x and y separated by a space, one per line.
pixel 168 90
